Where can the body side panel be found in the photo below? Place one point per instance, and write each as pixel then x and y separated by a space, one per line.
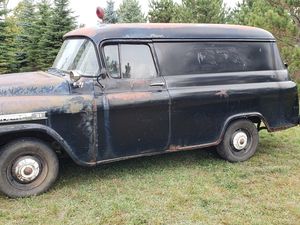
pixel 203 104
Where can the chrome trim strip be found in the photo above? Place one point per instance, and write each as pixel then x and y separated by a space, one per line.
pixel 19 117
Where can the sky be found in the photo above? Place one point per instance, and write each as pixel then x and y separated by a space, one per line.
pixel 86 10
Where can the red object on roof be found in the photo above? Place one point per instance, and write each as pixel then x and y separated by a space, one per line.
pixel 100 13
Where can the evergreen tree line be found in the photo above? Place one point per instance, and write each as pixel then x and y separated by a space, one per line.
pixel 30 36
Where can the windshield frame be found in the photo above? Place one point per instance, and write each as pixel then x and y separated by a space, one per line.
pixel 99 65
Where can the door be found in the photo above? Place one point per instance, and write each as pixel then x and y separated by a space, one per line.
pixel 133 111
pixel 198 93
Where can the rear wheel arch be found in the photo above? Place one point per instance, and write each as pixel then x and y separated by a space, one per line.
pixel 255 118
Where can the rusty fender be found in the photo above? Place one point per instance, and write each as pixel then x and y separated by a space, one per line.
pixel 7 129
pixel 83 105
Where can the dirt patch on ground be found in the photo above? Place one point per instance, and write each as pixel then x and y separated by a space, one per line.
pixel 296 76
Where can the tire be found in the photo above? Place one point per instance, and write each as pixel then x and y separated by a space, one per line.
pixel 240 141
pixel 28 167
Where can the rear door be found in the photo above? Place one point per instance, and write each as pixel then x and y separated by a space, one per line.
pixel 199 100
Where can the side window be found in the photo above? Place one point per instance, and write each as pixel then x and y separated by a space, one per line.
pixel 214 57
pixel 137 61
pixel 112 60
pixel 129 61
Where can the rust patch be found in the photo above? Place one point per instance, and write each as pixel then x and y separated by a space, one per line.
pixel 138 82
pixel 222 94
pixel 74 107
pixel 52 104
pixel 173 25
pixel 241 27
pixel 174 148
pixel 86 31
pixel 130 96
pixel 86 123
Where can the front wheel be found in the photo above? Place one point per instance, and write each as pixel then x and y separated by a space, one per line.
pixel 240 141
pixel 27 167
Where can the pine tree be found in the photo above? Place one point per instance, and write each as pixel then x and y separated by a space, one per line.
pixel 200 11
pixel 110 15
pixel 130 12
pixel 3 62
pixel 276 19
pixel 61 22
pixel 291 6
pixel 43 20
pixel 11 45
pixel 161 11
pixel 5 40
pixel 25 40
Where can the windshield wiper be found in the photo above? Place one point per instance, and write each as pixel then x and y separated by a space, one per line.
pixel 58 71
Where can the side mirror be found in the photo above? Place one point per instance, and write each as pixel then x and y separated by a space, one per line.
pixel 74 76
pixel 103 73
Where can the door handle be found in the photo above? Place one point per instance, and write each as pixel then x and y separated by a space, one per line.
pixel 157 84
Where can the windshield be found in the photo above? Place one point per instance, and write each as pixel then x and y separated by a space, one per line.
pixel 79 55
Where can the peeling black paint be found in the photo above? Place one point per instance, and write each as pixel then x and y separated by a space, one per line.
pixel 37 83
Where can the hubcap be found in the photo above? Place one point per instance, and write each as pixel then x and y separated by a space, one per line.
pixel 26 169
pixel 240 140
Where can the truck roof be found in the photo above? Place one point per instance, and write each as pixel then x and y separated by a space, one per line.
pixel 171 31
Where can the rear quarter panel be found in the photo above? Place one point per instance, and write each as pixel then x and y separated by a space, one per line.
pixel 203 105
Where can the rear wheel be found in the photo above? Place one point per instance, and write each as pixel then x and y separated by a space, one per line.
pixel 27 167
pixel 240 141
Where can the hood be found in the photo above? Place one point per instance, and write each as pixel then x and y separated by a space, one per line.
pixel 33 83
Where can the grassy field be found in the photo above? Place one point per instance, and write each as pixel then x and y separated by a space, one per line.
pixel 194 187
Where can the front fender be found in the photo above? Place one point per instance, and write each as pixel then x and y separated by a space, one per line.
pixel 17 128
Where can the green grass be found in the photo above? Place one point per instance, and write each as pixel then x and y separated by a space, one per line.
pixel 193 187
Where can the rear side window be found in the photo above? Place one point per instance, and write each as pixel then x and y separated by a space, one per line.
pixel 214 57
pixel 129 61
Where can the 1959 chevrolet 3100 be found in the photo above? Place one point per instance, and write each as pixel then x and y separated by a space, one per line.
pixel 128 90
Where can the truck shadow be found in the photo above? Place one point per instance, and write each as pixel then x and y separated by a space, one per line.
pixel 72 174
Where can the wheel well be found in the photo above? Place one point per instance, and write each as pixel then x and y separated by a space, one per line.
pixel 253 118
pixel 57 147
